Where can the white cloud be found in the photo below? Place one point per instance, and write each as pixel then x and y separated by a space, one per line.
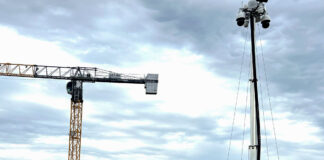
pixel 52 140
pixel 185 85
pixel 298 131
pixel 128 123
pixel 135 156
pixel 34 93
pixel 179 141
pixel 113 145
pixel 16 48
pixel 25 152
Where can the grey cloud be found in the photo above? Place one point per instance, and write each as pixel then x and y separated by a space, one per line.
pixel 295 64
pixel 22 122
pixel 90 23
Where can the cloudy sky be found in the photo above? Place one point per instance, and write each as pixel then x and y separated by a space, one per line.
pixel 197 50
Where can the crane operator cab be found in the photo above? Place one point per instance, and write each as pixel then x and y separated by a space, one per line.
pixel 69 88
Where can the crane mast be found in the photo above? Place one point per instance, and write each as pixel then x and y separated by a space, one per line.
pixel 77 76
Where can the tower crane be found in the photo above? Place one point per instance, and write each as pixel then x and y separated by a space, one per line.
pixel 77 76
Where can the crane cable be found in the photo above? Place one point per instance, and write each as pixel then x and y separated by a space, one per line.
pixel 268 93
pixel 237 94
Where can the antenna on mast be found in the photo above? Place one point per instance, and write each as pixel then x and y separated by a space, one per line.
pixel 252 13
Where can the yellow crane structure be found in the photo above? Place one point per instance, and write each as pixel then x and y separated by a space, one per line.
pixel 77 76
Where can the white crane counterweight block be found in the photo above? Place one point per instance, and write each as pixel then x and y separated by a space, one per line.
pixel 151 82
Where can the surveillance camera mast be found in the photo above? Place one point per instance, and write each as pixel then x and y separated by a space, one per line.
pixel 254 11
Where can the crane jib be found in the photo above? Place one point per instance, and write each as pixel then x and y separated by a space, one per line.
pixel 84 74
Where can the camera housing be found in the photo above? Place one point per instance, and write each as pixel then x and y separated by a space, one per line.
pixel 252 4
pixel 240 18
pixel 265 1
pixel 265 21
pixel 240 21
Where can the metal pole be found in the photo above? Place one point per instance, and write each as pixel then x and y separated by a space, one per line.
pixel 255 82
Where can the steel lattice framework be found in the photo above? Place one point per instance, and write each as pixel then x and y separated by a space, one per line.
pixel 75 130
pixel 86 74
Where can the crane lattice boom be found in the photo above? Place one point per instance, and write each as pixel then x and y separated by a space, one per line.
pixel 84 74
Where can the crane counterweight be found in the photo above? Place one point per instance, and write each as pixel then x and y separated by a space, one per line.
pixel 151 83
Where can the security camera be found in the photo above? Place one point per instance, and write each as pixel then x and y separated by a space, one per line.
pixel 265 1
pixel 240 18
pixel 265 21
